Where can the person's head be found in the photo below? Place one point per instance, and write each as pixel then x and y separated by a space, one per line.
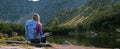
pixel 36 17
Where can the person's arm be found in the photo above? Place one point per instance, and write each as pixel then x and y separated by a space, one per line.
pixel 40 30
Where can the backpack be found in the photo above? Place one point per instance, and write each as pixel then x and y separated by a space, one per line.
pixel 32 30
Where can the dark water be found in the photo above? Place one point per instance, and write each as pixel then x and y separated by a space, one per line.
pixel 85 41
pixel 73 40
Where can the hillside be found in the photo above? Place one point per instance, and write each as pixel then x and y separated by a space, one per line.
pixel 18 11
pixel 68 12
pixel 80 14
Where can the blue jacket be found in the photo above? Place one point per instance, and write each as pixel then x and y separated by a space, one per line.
pixel 30 27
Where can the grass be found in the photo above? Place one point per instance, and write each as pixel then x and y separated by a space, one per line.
pixel 1 35
pixel 26 46
pixel 2 39
pixel 3 43
pixel 18 38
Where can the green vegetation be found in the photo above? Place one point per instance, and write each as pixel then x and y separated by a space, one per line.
pixel 104 19
pixel 7 28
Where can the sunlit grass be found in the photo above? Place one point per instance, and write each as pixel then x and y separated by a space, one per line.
pixel 17 38
pixel 3 42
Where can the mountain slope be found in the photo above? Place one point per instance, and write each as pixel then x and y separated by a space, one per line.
pixel 18 11
pixel 78 15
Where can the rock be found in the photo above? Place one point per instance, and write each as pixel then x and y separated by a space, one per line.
pixel 66 43
pixel 14 34
pixel 5 35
